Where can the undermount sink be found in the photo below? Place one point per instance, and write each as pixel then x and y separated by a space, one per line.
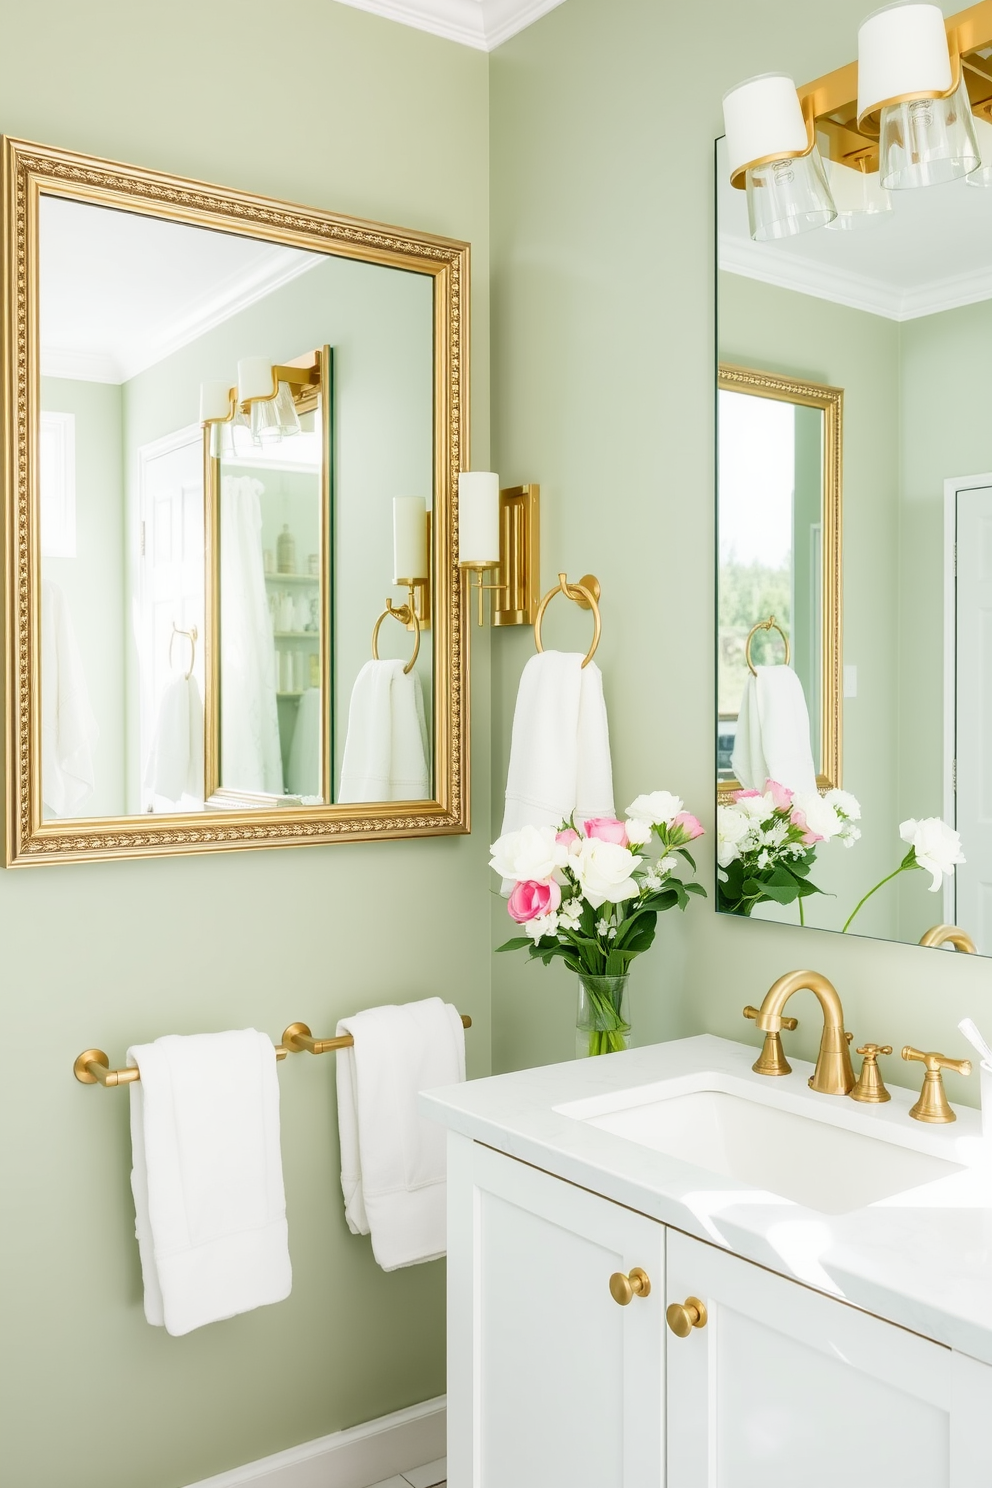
pixel 770 1148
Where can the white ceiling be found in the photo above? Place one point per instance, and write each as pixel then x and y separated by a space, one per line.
pixel 120 291
pixel 930 253
pixel 476 23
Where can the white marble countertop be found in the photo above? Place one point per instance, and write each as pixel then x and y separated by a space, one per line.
pixel 922 1259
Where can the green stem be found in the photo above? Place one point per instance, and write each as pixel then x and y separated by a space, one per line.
pixel 802 912
pixel 901 869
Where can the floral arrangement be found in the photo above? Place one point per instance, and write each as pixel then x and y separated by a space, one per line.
pixel 590 892
pixel 933 846
pixel 766 844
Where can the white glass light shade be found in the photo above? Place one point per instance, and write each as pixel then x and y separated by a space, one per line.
pixel 788 197
pixel 478 517
pixel 902 54
pixel 983 136
pixel 275 418
pixel 858 197
pixel 763 121
pixel 254 378
pixel 928 141
pixel 410 560
pixel 215 401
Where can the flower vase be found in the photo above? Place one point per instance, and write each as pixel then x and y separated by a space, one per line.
pixel 602 1017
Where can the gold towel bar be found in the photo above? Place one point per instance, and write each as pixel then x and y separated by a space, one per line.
pixel 585 594
pixel 92 1067
pixel 407 615
pixel 770 624
pixel 192 635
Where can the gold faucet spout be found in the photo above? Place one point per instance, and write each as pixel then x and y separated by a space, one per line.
pixel 939 935
pixel 834 1074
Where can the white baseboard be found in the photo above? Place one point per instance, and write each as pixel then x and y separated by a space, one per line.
pixel 355 1458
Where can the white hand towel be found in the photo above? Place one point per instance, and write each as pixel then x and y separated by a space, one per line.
pixel 560 746
pixel 209 1205
pixel 69 731
pixel 175 761
pixel 393 1165
pixel 385 752
pixel 772 740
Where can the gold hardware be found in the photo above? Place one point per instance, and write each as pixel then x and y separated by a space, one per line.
pixel 770 624
pixel 636 1284
pixel 585 594
pixel 834 1074
pixel 480 588
pixel 772 1060
pixel 932 1104
pixel 92 1067
pixel 682 1317
pixel 953 935
pixel 520 555
pixel 406 615
pixel 191 635
pixel 870 1086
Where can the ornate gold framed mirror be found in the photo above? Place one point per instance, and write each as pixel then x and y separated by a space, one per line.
pixel 233 432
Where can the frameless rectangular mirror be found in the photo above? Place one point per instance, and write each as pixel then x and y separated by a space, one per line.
pixel 235 429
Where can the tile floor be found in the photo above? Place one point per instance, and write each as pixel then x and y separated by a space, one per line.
pixel 431 1475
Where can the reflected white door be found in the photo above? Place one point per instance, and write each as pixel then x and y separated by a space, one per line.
pixel 973 713
pixel 171 585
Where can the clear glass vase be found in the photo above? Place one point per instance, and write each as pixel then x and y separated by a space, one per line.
pixel 602 1016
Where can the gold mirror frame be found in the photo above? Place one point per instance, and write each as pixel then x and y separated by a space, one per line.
pixel 831 401
pixel 28 170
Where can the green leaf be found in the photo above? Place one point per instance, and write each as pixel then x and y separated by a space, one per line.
pixel 516 944
pixel 688 857
pixel 695 888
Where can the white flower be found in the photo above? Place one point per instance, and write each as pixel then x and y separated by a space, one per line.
pixel 850 836
pixel 638 832
pixel 611 934
pixel 821 817
pixel 652 881
pixel 936 845
pixel 731 826
pixel 604 872
pixel 764 858
pixel 669 864
pixel 602 926
pixel 756 808
pixel 569 914
pixel 543 925
pixel 533 853
pixel 845 803
pixel 657 808
pixel 775 834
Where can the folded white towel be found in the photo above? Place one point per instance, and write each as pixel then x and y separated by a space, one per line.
pixel 385 752
pixel 175 761
pixel 772 740
pixel 207 1178
pixel 69 731
pixel 393 1171
pixel 560 746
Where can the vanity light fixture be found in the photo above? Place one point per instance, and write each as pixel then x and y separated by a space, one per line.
pixel 499 531
pixel 266 402
pixel 983 134
pixel 771 145
pixel 858 196
pixel 912 92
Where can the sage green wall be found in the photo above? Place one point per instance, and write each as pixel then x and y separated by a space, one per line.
pixel 396 129
pixel 603 120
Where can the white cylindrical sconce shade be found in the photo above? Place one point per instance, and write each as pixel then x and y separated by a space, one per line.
pixel 478 518
pixel 215 401
pixel 902 55
pixel 254 379
pixel 983 137
pixel 764 122
pixel 411 561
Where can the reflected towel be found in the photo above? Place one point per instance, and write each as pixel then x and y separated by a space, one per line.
pixel 393 1161
pixel 772 740
pixel 210 1212
pixel 175 762
pixel 560 747
pixel 385 753
pixel 69 730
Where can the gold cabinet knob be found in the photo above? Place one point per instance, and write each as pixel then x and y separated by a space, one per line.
pixel 682 1317
pixel 623 1288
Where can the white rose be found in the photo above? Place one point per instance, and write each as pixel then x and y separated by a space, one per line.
pixel 936 845
pixel 533 853
pixel 638 832
pixel 845 803
pixel 821 817
pixel 756 808
pixel 604 872
pixel 731 826
pixel 657 808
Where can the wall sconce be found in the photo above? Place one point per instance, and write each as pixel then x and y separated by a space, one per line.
pixel 500 531
pixel 412 557
pixel 773 154
pixel 266 402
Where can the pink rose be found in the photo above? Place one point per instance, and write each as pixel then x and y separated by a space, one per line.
pixel 744 795
pixel 531 899
pixel 687 826
pixel 798 819
pixel 606 829
pixel 781 797
pixel 568 836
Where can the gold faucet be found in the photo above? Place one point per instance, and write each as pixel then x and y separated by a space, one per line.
pixel 833 1074
pixel 953 935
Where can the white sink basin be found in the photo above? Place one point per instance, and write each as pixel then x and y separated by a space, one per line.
pixel 769 1147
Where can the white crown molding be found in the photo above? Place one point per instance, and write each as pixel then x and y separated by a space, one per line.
pixel 80 366
pixel 758 261
pixel 483 24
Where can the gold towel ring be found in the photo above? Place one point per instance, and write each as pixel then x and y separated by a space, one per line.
pixel 406 615
pixel 770 624
pixel 585 594
pixel 191 636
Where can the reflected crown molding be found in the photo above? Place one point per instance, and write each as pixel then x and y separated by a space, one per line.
pixel 483 24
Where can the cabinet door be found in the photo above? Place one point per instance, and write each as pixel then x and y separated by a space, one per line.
pixel 784 1385
pixel 551 1383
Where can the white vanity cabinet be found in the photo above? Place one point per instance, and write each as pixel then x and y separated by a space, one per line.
pixel 552 1384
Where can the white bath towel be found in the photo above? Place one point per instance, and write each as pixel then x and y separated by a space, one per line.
pixel 385 752
pixel 175 761
pixel 560 746
pixel 210 1212
pixel 772 740
pixel 69 729
pixel 392 1159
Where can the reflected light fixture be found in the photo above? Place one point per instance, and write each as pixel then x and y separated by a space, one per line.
pixel 264 407
pixel 983 134
pixel 268 402
pixel 858 196
pixel 771 146
pixel 912 92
